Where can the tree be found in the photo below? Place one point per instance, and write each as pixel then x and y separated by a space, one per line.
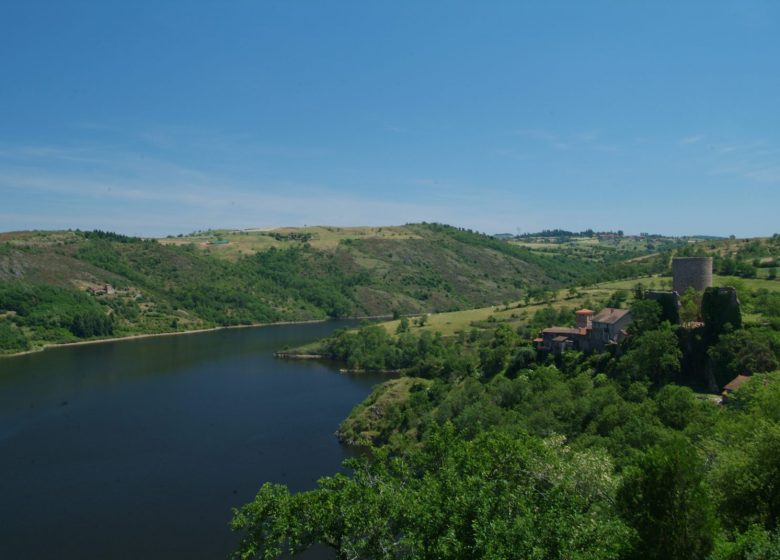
pixel 12 338
pixel 91 323
pixel 744 352
pixel 748 479
pixel 690 302
pixel 665 500
pixel 754 544
pixel 746 473
pixel 646 315
pixel 653 356
pixel 618 298
pixel 639 291
pixel 496 357
pixel 498 496
pixel 676 406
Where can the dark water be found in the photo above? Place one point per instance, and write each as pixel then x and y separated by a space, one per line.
pixel 138 449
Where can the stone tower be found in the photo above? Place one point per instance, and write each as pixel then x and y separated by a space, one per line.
pixel 584 317
pixel 691 272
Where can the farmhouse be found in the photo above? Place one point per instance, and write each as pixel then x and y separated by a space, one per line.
pixel 733 385
pixel 593 331
pixel 102 290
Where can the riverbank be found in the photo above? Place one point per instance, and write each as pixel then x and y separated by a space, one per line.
pixel 193 331
pixel 294 356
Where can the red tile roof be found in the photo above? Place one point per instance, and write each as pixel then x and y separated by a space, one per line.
pixel 585 312
pixel 735 383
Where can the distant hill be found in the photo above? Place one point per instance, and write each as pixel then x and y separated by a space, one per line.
pixel 69 285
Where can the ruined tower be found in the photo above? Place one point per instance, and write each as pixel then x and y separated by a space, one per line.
pixel 691 272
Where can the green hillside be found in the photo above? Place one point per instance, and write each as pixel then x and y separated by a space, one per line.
pixel 70 285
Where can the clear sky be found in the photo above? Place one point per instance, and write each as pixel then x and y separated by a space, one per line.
pixel 164 117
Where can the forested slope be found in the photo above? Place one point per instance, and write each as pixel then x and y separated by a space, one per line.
pixel 53 284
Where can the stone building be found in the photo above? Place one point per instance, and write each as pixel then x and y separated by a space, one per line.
pixel 687 272
pixel 593 332
pixel 609 325
pixel 102 290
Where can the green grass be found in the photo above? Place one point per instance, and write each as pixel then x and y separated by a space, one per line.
pixel 750 283
pixel 518 313
pixel 250 241
pixel 596 249
pixel 375 419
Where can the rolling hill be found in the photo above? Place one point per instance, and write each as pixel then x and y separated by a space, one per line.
pixel 68 285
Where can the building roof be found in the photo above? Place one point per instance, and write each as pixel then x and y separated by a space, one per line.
pixel 735 383
pixel 561 330
pixel 560 338
pixel 585 312
pixel 610 315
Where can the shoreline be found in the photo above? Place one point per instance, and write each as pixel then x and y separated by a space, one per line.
pixel 178 333
pixel 293 356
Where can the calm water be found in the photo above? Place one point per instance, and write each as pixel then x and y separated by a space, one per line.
pixel 138 449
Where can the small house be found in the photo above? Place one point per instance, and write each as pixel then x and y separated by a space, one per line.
pixel 733 385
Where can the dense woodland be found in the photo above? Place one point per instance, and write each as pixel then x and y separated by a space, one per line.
pixel 484 448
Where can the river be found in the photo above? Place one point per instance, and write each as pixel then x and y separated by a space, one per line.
pixel 140 448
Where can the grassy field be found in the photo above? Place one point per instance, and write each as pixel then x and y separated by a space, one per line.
pixel 749 283
pixel 250 241
pixel 515 313
pixel 601 249
pixel 518 313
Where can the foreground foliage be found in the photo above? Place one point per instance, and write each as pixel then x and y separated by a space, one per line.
pixel 486 449
pixel 498 496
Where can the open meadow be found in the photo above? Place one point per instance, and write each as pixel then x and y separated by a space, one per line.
pixel 520 313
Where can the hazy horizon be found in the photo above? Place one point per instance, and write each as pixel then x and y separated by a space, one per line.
pixel 359 226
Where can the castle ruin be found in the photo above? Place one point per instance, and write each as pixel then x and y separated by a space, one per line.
pixel 691 272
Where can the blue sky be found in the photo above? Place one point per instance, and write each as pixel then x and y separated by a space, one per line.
pixel 155 118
